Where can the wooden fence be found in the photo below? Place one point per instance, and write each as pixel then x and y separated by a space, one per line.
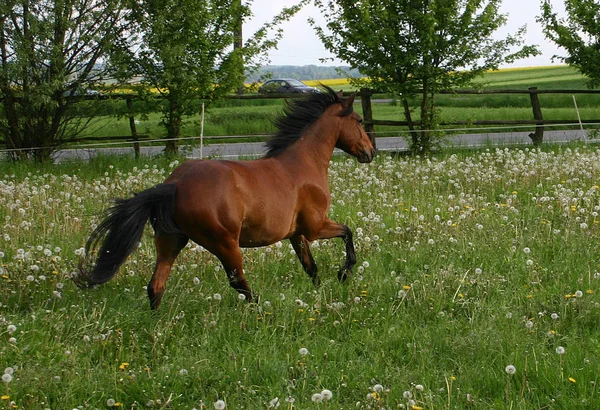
pixel 538 119
pixel 366 96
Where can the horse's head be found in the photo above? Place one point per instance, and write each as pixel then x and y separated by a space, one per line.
pixel 352 136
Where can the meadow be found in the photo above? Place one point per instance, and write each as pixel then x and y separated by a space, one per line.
pixel 477 286
pixel 254 117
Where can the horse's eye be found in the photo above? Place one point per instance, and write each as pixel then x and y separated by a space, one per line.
pixel 360 120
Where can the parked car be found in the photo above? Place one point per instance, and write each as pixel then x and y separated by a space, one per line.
pixel 285 86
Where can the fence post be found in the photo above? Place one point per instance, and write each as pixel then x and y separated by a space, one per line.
pixel 134 134
pixel 538 136
pixel 365 100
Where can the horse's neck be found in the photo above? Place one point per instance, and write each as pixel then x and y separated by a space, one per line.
pixel 314 149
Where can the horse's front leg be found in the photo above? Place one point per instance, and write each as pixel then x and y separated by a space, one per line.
pixel 302 248
pixel 331 229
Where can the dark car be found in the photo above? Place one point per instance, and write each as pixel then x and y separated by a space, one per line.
pixel 285 86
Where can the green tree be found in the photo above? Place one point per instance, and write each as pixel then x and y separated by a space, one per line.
pixel 578 34
pixel 50 52
pixel 418 47
pixel 185 51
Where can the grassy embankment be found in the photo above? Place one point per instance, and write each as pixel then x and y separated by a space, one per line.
pixel 254 117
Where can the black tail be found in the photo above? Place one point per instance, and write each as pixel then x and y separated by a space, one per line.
pixel 121 231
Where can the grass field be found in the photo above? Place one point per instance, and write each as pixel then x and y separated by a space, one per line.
pixel 477 286
pixel 255 117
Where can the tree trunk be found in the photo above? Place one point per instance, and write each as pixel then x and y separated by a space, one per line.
pixel 414 135
pixel 173 126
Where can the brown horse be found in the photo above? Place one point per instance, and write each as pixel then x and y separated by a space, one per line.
pixel 225 205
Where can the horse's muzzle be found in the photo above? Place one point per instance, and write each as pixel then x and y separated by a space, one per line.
pixel 366 156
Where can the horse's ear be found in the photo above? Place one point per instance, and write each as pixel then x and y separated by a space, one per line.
pixel 340 94
pixel 347 105
pixel 349 101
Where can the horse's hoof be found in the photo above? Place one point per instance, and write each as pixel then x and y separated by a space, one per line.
pixel 343 274
pixel 252 298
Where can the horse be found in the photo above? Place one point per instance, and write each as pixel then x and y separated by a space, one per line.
pixel 225 205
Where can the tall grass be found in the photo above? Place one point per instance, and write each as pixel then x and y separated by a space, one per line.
pixel 469 263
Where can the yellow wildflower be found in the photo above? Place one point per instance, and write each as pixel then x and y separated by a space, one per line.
pixel 572 380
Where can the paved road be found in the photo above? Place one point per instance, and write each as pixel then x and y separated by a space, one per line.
pixel 255 149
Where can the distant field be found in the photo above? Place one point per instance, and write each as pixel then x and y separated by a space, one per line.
pixel 547 78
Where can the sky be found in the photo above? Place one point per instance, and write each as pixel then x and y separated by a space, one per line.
pixel 300 46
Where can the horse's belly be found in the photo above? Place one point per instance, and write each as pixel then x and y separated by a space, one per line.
pixel 264 234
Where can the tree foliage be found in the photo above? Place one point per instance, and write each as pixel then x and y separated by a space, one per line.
pixel 184 50
pixel 49 55
pixel 418 47
pixel 578 34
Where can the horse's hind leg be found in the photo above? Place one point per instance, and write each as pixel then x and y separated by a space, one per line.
pixel 168 247
pixel 230 255
pixel 302 248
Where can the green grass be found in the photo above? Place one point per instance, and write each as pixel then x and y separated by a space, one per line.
pixel 463 259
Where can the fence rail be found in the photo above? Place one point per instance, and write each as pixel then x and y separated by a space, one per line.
pixel 366 98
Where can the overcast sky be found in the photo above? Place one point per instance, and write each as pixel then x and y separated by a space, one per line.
pixel 300 46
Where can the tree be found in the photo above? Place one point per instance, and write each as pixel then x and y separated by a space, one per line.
pixel 420 47
pixel 50 52
pixel 186 52
pixel 578 34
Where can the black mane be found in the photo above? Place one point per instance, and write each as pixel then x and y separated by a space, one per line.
pixel 298 114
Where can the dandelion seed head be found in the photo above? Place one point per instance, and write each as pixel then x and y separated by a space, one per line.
pixel 510 369
pixel 317 398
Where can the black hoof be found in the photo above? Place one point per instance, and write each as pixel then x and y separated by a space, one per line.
pixel 344 274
